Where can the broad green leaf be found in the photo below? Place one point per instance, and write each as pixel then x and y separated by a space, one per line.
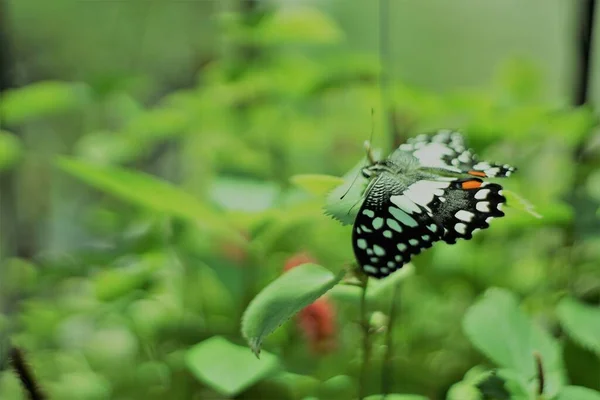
pixel 10 150
pixel 581 322
pixel 578 393
pixel 315 184
pixel 227 367
pixel 500 329
pixel 42 99
pixel 283 298
pixel 146 191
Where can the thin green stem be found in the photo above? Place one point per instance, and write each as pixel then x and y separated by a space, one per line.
pixel 387 367
pixel 366 339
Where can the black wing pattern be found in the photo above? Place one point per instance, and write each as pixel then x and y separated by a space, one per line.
pixel 466 207
pixel 390 227
pixel 446 149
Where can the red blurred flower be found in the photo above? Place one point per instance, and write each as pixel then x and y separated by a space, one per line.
pixel 298 259
pixel 317 320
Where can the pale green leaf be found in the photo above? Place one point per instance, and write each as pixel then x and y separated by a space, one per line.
pixel 226 367
pixel 578 393
pixel 146 191
pixel 42 99
pixel 315 184
pixel 581 322
pixel 283 298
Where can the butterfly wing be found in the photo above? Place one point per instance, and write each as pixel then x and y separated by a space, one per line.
pixel 446 149
pixel 390 227
pixel 466 206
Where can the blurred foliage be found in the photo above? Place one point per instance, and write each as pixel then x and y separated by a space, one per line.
pixel 156 214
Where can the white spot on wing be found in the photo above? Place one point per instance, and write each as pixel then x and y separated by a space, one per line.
pixel 392 223
pixel 464 215
pixel 483 206
pixel 422 192
pixel 361 243
pixel 460 228
pixel 413 242
pixel 402 217
pixel 379 250
pixel 387 234
pixel 402 247
pixel 405 204
pixel 482 194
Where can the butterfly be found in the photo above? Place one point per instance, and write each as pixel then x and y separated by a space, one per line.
pixel 427 190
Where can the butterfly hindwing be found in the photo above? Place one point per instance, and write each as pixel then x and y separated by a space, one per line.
pixel 390 228
pixel 446 149
pixel 467 206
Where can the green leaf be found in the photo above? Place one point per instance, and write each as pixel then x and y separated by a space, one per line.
pixel 343 202
pixel 146 191
pixel 315 184
pixel 302 25
pixel 42 99
pixel 578 393
pixel 500 329
pixel 517 202
pixel 283 298
pixel 226 367
pixel 10 150
pixel 581 322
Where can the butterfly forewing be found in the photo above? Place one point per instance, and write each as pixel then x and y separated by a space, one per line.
pixel 446 149
pixel 390 228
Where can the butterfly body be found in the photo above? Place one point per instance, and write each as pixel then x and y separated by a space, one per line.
pixel 427 190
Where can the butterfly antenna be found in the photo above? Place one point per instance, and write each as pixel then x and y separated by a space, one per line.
pixel 370 156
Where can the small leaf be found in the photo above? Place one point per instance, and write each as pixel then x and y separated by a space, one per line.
pixel 283 298
pixel 343 202
pixel 315 184
pixel 517 202
pixel 147 191
pixel 226 367
pixel 581 322
pixel 578 393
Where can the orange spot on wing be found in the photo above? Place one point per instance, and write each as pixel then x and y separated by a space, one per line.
pixel 471 184
pixel 477 173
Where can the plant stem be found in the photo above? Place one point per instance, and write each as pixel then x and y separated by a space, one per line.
pixel 366 339
pixel 586 34
pixel 387 367
pixel 23 371
pixel 540 373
